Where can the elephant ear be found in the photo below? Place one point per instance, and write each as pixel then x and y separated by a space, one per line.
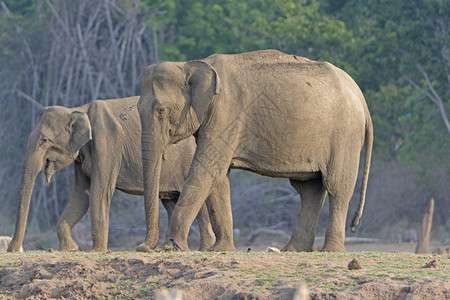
pixel 203 82
pixel 80 131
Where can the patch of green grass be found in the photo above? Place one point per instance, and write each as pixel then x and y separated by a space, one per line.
pixel 277 270
pixel 352 284
pixel 329 285
pixel 402 266
pixel 130 282
pixel 272 286
pixel 246 271
pixel 401 277
pixel 265 287
pixel 378 275
pixel 267 278
pixel 440 274
pixel 147 287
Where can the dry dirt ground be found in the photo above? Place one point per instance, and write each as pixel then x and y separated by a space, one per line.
pixel 239 275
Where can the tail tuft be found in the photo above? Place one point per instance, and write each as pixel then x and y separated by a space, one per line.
pixel 355 223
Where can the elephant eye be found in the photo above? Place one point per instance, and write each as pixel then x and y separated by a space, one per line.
pixel 163 112
pixel 44 140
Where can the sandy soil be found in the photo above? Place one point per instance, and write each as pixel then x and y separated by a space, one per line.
pixel 240 275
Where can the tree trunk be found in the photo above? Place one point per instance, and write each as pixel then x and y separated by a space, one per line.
pixel 424 241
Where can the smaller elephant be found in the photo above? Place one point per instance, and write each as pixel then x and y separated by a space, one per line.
pixel 103 139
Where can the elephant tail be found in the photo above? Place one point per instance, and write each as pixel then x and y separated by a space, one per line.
pixel 368 141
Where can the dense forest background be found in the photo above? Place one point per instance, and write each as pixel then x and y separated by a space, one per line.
pixel 61 52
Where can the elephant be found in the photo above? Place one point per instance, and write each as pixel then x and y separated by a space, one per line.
pixel 103 140
pixel 267 112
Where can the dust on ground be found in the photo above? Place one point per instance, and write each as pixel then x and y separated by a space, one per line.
pixel 223 275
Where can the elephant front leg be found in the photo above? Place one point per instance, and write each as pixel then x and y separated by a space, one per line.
pixel 312 195
pixel 75 209
pixel 207 237
pixel 205 172
pixel 101 192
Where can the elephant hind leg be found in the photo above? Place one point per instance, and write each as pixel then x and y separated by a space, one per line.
pixel 169 205
pixel 220 214
pixel 207 237
pixel 75 209
pixel 340 185
pixel 312 195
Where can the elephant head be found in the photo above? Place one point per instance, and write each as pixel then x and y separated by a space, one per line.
pixel 174 100
pixel 53 144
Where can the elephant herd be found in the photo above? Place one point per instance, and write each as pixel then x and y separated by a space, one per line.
pixel 267 112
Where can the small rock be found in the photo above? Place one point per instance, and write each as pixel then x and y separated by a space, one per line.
pixel 273 249
pixel 354 265
pixel 433 264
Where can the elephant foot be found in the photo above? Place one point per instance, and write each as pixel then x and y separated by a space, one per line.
pixel 15 248
pixel 144 248
pixel 221 247
pixel 69 246
pixel 205 245
pixel 98 249
pixel 333 247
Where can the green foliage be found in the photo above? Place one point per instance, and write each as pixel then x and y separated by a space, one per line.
pixel 22 7
pixel 196 29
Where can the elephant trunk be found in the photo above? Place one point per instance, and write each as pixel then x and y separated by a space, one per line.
pixel 31 168
pixel 152 149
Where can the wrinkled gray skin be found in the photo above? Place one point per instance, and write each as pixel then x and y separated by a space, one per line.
pixel 267 112
pixel 102 138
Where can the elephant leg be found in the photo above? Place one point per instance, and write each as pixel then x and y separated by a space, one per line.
pixel 103 183
pixel 312 195
pixel 219 207
pixel 205 172
pixel 75 209
pixel 169 205
pixel 340 185
pixel 207 237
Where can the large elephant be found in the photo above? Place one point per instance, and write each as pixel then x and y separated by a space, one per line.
pixel 103 139
pixel 268 112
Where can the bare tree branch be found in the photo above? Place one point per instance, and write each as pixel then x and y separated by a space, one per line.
pixel 30 99
pixel 436 98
